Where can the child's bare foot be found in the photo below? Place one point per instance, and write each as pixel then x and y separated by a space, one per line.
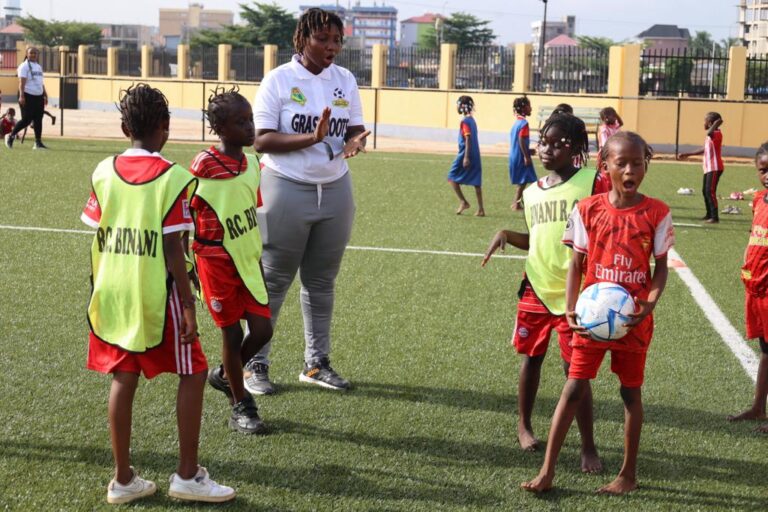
pixel 462 206
pixel 762 429
pixel 590 462
pixel 542 483
pixel 527 440
pixel 480 213
pixel 622 485
pixel 516 206
pixel 749 414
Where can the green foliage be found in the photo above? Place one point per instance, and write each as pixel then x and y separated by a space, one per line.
pixel 58 33
pixel 678 73
pixel 702 42
pixel 595 43
pixel 461 29
pixel 264 24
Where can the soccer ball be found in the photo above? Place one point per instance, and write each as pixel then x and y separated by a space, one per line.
pixel 603 309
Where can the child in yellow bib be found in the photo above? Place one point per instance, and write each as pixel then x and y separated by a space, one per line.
pixel 227 250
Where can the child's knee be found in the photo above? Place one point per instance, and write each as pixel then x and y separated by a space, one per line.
pixel 763 346
pixel 575 389
pixel 630 396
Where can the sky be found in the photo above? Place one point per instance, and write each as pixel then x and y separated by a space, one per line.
pixel 511 19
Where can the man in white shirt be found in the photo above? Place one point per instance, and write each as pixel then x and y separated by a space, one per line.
pixel 32 98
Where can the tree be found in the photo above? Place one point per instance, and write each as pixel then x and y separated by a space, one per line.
pixel 58 33
pixel 678 74
pixel 460 28
pixel 264 24
pixel 702 43
pixel 595 43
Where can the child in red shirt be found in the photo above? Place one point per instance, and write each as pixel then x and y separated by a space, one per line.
pixel 712 164
pixel 613 236
pixel 754 274
pixel 230 281
pixel 7 122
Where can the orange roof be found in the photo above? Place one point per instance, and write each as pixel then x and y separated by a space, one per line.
pixel 561 40
pixel 13 28
pixel 424 18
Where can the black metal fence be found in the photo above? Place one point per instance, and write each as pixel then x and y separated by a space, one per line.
pixel 675 72
pixel 247 64
pixel 128 62
pixel 570 69
pixel 204 62
pixel 284 55
pixel 413 67
pixel 164 62
pixel 358 61
pixel 50 59
pixel 485 67
pixel 756 83
pixel 96 61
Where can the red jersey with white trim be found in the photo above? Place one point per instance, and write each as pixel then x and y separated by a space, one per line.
pixel 215 165
pixel 754 273
pixel 713 158
pixel 619 243
pixel 139 166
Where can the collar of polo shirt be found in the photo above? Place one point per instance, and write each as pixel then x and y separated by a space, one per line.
pixel 304 74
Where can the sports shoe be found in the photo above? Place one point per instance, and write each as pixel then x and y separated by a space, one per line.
pixel 218 382
pixel 9 141
pixel 137 488
pixel 256 379
pixel 53 120
pixel 323 375
pixel 245 417
pixel 200 488
pixel 39 145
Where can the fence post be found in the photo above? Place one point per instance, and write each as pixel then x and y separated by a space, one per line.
pixel 21 52
pixel 447 75
pixel 146 61
pixel 737 73
pixel 182 62
pixel 522 82
pixel 225 57
pixel 270 58
pixel 82 55
pixel 112 61
pixel 63 60
pixel 624 70
pixel 379 65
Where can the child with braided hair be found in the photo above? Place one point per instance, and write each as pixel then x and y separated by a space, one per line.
pixel 141 312
pixel 521 171
pixel 467 168
pixel 227 249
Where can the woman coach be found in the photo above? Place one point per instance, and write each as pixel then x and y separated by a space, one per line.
pixel 308 120
pixel 32 98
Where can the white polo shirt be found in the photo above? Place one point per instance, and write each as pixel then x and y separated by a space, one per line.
pixel 291 99
pixel 33 72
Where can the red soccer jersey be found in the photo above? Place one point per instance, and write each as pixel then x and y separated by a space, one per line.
pixel 212 164
pixel 138 166
pixel 6 126
pixel 618 244
pixel 713 158
pixel 754 273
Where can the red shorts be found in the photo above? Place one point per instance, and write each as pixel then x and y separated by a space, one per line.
pixel 532 332
pixel 226 295
pixel 171 356
pixel 756 315
pixel 629 366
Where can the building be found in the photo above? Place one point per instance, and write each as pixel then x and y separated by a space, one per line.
pixel 130 37
pixel 753 26
pixel 414 29
pixel 10 34
pixel 664 37
pixel 567 26
pixel 365 26
pixel 561 41
pixel 11 11
pixel 179 24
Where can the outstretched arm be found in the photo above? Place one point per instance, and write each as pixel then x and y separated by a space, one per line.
pixel 501 239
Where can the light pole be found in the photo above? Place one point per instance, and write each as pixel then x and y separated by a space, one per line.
pixel 542 37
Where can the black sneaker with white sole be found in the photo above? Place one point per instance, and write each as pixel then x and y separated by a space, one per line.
pixel 39 145
pixel 321 374
pixel 218 382
pixel 256 379
pixel 9 141
pixel 245 417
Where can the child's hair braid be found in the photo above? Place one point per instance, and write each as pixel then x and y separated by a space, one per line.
pixel 563 108
pixel 465 104
pixel 314 20
pixel 520 103
pixel 142 109
pixel 632 138
pixel 220 103
pixel 575 132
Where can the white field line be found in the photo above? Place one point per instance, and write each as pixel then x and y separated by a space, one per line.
pixel 682 224
pixel 719 322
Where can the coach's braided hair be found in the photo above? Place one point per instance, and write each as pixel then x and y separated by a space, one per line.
pixel 761 151
pixel 220 103
pixel 575 132
pixel 142 109
pixel 632 138
pixel 314 20
pixel 519 103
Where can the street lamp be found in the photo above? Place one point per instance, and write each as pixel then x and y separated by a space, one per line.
pixel 542 37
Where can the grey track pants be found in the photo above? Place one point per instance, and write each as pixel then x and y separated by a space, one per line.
pixel 304 227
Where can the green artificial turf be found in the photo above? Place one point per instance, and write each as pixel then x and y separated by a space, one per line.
pixel 430 423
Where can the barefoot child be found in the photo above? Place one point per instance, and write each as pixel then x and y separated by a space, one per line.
pixel 613 237
pixel 142 312
pixel 467 168
pixel 541 308
pixel 227 249
pixel 754 273
pixel 521 171
pixel 712 164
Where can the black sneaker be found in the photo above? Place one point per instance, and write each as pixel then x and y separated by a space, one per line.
pixel 245 417
pixel 9 141
pixel 323 375
pixel 39 145
pixel 219 382
pixel 256 379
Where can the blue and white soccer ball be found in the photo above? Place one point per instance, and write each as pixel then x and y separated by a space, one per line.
pixel 603 309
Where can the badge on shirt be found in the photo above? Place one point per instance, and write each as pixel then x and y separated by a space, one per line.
pixel 298 96
pixel 339 100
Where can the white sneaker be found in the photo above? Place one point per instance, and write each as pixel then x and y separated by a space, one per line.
pixel 200 488
pixel 137 488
